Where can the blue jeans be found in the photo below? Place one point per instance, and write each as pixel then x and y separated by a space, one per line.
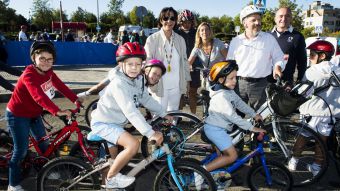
pixel 20 127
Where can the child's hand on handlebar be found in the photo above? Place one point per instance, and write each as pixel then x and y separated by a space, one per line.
pixel 258 118
pixel 67 113
pixel 158 137
pixel 169 118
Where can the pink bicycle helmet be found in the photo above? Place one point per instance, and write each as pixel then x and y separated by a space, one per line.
pixel 155 63
pixel 186 15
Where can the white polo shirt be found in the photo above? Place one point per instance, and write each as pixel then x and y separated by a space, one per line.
pixel 257 57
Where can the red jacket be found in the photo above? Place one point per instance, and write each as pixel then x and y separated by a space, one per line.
pixel 30 95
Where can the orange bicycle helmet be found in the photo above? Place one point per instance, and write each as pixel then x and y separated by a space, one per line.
pixel 222 69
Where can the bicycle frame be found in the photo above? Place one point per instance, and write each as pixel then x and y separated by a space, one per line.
pixel 136 168
pixel 239 162
pixel 62 135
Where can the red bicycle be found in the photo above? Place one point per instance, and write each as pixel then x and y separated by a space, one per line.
pixel 87 151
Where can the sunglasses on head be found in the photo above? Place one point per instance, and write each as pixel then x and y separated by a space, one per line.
pixel 169 18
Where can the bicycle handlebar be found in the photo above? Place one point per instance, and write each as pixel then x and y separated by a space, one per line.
pixel 68 121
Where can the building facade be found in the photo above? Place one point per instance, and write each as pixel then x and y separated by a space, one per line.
pixel 322 14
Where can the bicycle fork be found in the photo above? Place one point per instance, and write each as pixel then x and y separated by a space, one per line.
pixel 277 137
pixel 170 161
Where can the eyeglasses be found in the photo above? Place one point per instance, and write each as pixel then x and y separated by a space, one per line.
pixel 43 59
pixel 169 18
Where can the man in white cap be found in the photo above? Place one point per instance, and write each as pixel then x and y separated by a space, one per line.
pixel 257 54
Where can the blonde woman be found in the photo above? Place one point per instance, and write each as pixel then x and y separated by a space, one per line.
pixel 208 49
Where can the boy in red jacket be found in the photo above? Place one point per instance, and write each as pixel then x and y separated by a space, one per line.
pixel 33 93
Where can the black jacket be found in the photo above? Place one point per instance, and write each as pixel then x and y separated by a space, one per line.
pixel 293 43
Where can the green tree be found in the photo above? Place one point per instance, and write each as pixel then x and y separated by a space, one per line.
pixel 268 22
pixel 56 15
pixel 227 24
pixel 201 19
pixel 237 22
pixel 42 14
pixel 133 16
pixel 90 17
pixel 307 32
pixel 115 6
pixel 149 20
pixel 79 15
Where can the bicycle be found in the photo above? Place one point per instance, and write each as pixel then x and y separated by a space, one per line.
pixel 282 129
pixel 58 138
pixel 66 173
pixel 263 173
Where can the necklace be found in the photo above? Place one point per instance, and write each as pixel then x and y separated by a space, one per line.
pixel 168 57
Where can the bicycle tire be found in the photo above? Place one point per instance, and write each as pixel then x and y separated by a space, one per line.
pixel 59 173
pixel 185 170
pixel 281 177
pixel 290 132
pixel 168 134
pixel 92 106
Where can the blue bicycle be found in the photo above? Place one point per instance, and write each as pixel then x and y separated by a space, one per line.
pixel 263 175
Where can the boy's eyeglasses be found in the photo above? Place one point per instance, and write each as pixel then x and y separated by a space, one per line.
pixel 43 59
pixel 169 18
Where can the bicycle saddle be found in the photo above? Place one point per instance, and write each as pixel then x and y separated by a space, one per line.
pixel 93 137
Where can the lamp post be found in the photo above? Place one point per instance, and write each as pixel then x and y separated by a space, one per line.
pixel 98 27
pixel 30 20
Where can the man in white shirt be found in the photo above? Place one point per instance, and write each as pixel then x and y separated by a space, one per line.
pixel 257 54
pixel 22 34
pixel 109 38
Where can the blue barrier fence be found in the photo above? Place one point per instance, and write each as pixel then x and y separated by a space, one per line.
pixel 68 53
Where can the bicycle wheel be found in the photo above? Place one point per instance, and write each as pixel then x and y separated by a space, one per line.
pixel 184 124
pixel 92 106
pixel 305 145
pixel 190 175
pixel 61 172
pixel 281 177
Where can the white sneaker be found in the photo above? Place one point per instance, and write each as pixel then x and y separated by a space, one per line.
pixel 314 168
pixel 198 181
pixel 15 188
pixel 292 163
pixel 119 181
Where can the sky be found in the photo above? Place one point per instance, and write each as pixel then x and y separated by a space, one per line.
pixel 203 7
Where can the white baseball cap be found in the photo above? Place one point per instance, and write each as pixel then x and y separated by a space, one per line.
pixel 248 10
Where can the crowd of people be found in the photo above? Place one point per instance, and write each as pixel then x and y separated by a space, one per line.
pixel 176 60
pixel 70 36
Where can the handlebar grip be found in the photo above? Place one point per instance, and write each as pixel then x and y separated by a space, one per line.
pixel 278 80
pixel 336 77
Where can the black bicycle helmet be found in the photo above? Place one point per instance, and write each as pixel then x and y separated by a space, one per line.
pixel 43 46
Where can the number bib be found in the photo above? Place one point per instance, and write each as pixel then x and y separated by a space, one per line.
pixel 48 88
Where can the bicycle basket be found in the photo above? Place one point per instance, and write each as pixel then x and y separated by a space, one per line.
pixel 284 103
